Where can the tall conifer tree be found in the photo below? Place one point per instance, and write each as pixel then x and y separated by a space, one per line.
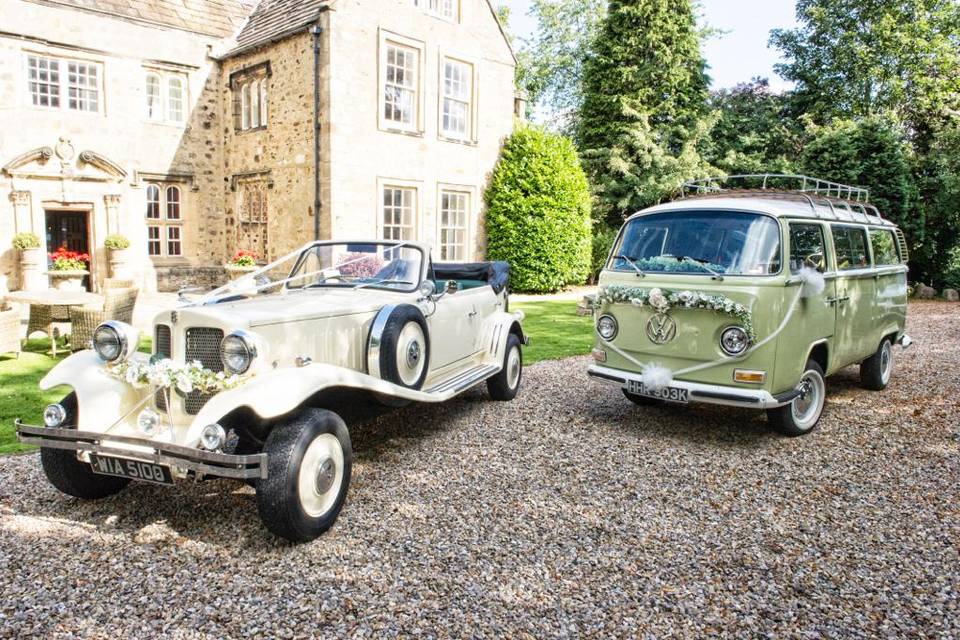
pixel 645 98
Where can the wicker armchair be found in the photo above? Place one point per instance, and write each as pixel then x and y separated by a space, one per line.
pixel 117 283
pixel 10 331
pixel 118 305
pixel 42 317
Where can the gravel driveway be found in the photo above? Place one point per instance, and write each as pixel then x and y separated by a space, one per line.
pixel 568 513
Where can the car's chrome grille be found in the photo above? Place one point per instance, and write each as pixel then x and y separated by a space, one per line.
pixel 161 349
pixel 203 345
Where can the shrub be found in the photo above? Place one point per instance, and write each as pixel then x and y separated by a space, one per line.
pixel 116 242
pixel 66 260
pixel 28 240
pixel 538 212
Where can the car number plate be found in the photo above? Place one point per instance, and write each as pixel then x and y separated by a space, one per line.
pixel 670 394
pixel 132 469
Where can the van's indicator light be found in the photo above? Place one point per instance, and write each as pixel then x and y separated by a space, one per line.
pixel 749 376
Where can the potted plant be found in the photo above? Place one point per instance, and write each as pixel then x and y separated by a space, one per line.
pixel 68 269
pixel 31 262
pixel 242 263
pixel 118 247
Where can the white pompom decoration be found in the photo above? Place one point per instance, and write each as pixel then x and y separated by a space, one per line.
pixel 656 377
pixel 813 282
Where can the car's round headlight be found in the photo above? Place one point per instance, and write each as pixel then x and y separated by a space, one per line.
pixel 237 352
pixel 114 340
pixel 54 415
pixel 734 341
pixel 607 327
pixel 212 437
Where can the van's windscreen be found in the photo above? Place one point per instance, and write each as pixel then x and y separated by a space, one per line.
pixel 703 242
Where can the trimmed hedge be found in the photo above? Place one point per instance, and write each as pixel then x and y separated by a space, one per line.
pixel 538 212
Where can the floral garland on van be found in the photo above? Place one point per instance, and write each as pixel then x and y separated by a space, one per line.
pixel 662 300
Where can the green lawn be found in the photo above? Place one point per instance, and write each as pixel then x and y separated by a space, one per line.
pixel 19 395
pixel 555 330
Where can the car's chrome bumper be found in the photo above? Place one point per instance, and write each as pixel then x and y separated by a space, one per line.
pixel 208 463
pixel 699 392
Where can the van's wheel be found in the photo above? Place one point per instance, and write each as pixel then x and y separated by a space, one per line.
pixel 506 384
pixel 875 371
pixel 309 459
pixel 70 475
pixel 802 415
pixel 641 401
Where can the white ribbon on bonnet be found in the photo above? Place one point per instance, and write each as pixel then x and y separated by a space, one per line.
pixel 656 376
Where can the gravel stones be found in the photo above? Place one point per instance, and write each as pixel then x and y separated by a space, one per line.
pixel 568 512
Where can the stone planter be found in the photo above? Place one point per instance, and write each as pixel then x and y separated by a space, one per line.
pixel 235 273
pixel 120 264
pixel 33 262
pixel 67 280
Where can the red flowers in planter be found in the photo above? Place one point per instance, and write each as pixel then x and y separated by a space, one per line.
pixel 64 260
pixel 244 258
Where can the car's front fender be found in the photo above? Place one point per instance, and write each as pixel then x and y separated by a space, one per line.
pixel 102 399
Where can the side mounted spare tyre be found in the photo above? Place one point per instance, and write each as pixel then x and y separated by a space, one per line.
pixel 398 349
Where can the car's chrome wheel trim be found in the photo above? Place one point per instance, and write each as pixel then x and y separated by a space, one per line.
pixel 321 475
pixel 807 407
pixel 410 352
pixel 514 365
pixel 886 361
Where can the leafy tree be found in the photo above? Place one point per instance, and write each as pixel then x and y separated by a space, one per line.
pixel 538 211
pixel 869 152
pixel 853 58
pixel 644 103
pixel 753 132
pixel 552 60
pixel 939 184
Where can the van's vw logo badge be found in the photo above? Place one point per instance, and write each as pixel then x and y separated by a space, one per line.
pixel 661 328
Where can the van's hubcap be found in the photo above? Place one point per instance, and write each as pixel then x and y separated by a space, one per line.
pixel 321 475
pixel 807 407
pixel 886 362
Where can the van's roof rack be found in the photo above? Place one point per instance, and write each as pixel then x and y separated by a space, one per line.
pixel 786 185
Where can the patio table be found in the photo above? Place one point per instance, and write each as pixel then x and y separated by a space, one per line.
pixel 55 297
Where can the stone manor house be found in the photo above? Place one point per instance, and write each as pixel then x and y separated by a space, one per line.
pixel 188 127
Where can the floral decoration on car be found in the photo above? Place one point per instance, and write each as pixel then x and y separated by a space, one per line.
pixel 66 260
pixel 359 265
pixel 662 300
pixel 185 377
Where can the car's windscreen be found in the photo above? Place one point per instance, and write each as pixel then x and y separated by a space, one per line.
pixel 373 265
pixel 701 242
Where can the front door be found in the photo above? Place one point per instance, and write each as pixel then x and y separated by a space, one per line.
pixel 69 229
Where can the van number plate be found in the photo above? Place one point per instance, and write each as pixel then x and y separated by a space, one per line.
pixel 133 469
pixel 670 394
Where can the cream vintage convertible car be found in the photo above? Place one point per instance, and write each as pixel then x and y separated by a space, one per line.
pixel 239 383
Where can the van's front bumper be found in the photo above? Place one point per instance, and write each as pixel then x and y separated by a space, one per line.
pixel 699 392
pixel 206 463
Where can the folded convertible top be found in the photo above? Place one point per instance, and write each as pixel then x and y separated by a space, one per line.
pixel 496 274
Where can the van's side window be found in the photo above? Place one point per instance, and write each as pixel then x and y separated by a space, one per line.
pixel 807 248
pixel 850 244
pixel 884 247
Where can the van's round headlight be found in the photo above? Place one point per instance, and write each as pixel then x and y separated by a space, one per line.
pixel 607 327
pixel 734 341
pixel 237 352
pixel 114 340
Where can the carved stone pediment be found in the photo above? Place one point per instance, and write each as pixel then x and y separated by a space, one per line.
pixel 61 162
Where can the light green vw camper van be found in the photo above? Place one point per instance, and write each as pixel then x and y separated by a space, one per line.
pixel 751 296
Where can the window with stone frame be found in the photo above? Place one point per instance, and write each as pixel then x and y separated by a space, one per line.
pixel 164 217
pixel 456 112
pixel 250 88
pixel 454 224
pixel 446 9
pixel 253 218
pixel 166 96
pixel 401 86
pixel 398 217
pixel 63 83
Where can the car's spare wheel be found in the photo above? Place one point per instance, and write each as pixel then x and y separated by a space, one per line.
pixel 399 347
